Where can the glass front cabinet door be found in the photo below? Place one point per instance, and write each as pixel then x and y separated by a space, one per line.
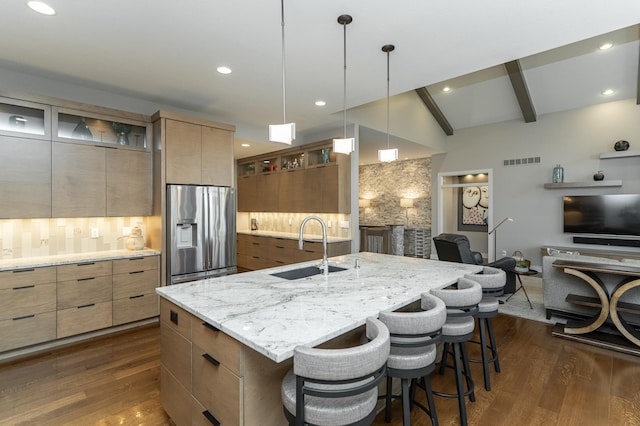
pixel 24 119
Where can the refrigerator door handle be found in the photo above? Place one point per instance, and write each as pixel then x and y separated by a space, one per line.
pixel 205 229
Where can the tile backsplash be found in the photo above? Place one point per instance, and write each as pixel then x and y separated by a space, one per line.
pixel 46 237
pixel 290 222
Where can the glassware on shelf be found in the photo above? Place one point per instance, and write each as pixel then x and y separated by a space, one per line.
pixel 81 131
pixel 558 174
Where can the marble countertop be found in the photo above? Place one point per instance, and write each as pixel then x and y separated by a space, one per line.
pixel 274 315
pixel 293 235
pixel 61 259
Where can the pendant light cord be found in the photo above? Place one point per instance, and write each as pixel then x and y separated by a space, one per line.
pixel 344 94
pixel 284 88
pixel 388 137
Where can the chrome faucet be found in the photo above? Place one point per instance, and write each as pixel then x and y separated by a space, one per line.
pixel 325 264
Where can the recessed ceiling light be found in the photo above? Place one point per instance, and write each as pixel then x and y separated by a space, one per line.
pixel 224 70
pixel 320 103
pixel 41 7
pixel 608 92
pixel 446 89
pixel 246 145
pixel 606 46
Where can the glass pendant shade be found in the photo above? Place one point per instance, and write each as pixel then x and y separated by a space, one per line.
pixel 344 146
pixel 283 133
pixel 388 155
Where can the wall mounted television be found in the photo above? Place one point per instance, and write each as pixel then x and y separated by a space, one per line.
pixel 615 214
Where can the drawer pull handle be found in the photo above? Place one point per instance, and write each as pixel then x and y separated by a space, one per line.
pixel 210 327
pixel 136 258
pixel 280 247
pixel 173 316
pixel 86 263
pixel 256 244
pixel 87 279
pixel 86 306
pixel 24 287
pixel 136 297
pixel 136 272
pixel 210 417
pixel 211 359
pixel 24 270
pixel 24 317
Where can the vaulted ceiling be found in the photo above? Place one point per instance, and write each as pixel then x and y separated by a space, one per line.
pixel 165 53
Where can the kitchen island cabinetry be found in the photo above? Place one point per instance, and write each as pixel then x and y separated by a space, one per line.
pixel 260 252
pixel 27 307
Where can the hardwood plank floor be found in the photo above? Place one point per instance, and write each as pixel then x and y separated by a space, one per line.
pixel 545 380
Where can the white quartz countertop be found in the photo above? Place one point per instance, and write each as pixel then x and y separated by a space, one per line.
pixel 61 259
pixel 293 236
pixel 274 315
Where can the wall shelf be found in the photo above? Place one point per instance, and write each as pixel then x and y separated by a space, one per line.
pixel 619 154
pixel 592 184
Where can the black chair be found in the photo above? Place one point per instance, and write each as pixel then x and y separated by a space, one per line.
pixel 456 248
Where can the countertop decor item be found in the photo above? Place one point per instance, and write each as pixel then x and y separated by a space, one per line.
pixel 558 174
pixel 621 145
pixel 598 175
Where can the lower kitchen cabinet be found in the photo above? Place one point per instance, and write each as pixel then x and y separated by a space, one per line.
pixel 27 307
pixel 261 252
pixel 223 377
pixel 134 283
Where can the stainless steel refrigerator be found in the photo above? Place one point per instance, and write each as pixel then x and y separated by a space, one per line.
pixel 201 232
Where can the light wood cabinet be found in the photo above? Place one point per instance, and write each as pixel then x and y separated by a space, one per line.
pixel 78 180
pixel 306 179
pixel 27 307
pixel 196 151
pixel 225 377
pixel 261 252
pixel 25 178
pixel 134 283
pixel 129 183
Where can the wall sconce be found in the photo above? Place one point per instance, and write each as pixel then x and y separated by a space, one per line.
pixel 364 203
pixel 407 203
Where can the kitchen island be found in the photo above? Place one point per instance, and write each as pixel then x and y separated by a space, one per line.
pixel 227 342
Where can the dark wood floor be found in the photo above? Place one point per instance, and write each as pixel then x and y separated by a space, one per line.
pixel 545 380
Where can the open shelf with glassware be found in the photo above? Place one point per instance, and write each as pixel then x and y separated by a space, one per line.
pixel 619 154
pixel 592 184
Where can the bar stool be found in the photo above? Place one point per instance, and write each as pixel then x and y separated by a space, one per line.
pixel 337 386
pixel 413 353
pixel 492 281
pixel 462 305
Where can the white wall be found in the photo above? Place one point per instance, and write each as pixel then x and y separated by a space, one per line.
pixel 574 139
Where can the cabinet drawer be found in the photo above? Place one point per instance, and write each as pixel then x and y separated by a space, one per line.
pixel 29 276
pixel 219 345
pixel 175 399
pixel 135 308
pixel 175 355
pixel 175 318
pixel 27 300
pixel 216 387
pixel 84 291
pixel 84 318
pixel 133 264
pixel 135 283
pixel 28 330
pixel 82 270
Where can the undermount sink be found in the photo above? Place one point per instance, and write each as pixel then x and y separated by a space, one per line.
pixel 307 271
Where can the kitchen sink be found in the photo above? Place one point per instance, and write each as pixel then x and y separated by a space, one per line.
pixel 307 271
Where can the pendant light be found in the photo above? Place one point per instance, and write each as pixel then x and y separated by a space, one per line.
pixel 389 154
pixel 344 145
pixel 284 133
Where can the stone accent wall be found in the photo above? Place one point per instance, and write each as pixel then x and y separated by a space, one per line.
pixel 46 237
pixel 386 183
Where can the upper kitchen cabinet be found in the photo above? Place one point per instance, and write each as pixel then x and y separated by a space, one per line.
pixel 100 129
pixel 25 119
pixel 304 179
pixel 196 151
pixel 129 183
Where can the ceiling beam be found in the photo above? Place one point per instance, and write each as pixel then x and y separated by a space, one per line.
pixel 521 90
pixel 435 110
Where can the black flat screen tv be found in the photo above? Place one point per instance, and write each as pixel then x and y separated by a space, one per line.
pixel 615 214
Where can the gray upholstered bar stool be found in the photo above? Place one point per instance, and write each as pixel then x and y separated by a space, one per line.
pixel 492 281
pixel 462 305
pixel 337 386
pixel 413 353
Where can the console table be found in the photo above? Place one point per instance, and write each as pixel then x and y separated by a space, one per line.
pixel 609 304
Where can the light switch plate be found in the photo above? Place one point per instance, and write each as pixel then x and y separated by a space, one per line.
pixel 344 224
pixel 95 232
